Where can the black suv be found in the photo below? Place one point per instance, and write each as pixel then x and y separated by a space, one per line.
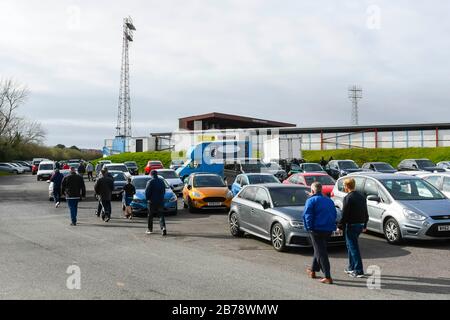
pixel 132 167
pixel 340 168
pixel 418 164
pixel 379 167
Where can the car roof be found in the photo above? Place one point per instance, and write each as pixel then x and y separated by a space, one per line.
pixel 375 162
pixel 164 170
pixel 46 162
pixel 114 164
pixel 308 174
pixel 381 176
pixel 282 186
pixel 256 174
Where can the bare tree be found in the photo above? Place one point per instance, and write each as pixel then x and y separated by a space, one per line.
pixel 14 128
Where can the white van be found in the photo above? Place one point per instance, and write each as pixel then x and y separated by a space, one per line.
pixel 45 170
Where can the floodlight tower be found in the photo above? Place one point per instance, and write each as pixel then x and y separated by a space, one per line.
pixel 355 94
pixel 124 113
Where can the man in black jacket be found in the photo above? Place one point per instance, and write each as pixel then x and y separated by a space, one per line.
pixel 103 188
pixel 353 222
pixel 74 189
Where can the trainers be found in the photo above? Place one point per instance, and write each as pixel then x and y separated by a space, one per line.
pixel 107 219
pixel 354 274
pixel 164 232
pixel 148 232
pixel 57 205
pixel 348 271
pixel 73 224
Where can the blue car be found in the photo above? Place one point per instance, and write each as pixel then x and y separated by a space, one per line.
pixel 139 203
pixel 252 178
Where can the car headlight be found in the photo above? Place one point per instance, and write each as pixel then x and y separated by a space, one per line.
pixel 173 198
pixel 196 194
pixel 229 195
pixel 296 224
pixel 413 215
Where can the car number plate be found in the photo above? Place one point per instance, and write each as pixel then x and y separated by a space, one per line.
pixel 337 233
pixel 444 228
pixel 214 204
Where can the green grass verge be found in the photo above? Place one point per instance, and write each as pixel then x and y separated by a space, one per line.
pixel 4 173
pixel 392 156
pixel 142 158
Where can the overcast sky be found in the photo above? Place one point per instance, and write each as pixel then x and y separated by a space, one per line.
pixel 284 60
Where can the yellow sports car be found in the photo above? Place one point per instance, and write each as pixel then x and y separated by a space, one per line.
pixel 206 191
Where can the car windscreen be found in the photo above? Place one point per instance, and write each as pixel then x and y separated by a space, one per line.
pixel 347 165
pixel 288 197
pixel 155 163
pixel 46 167
pixel 177 162
pixel 208 181
pixel 295 167
pixel 253 167
pixel 131 164
pixel 383 166
pixel 118 176
pixel 122 168
pixel 75 165
pixel 324 180
pixel 312 167
pixel 411 189
pixel 264 178
pixel 425 163
pixel 168 174
pixel 140 183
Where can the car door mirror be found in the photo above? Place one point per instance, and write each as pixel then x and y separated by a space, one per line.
pixel 373 197
pixel 189 187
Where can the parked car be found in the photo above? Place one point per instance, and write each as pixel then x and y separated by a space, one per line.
pixel 444 165
pixel 139 203
pixel 118 167
pixel 24 164
pixel 35 163
pixel 440 180
pixel 235 167
pixel 9 168
pixel 250 179
pixel 418 164
pixel 45 170
pixel 383 167
pixel 275 169
pixel 274 212
pixel 401 206
pixel 340 168
pixel 51 186
pixel 307 179
pixel 132 167
pixel 75 165
pixel 206 191
pixel 120 180
pixel 175 164
pixel 24 168
pixel 153 165
pixel 172 178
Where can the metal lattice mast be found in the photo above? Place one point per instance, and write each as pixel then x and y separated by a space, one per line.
pixel 124 109
pixel 355 94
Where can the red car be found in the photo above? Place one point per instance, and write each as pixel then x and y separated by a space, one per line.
pixel 307 179
pixel 153 165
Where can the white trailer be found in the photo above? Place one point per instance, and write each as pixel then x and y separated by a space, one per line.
pixel 282 148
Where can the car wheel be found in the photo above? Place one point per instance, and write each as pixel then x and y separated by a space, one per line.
pixel 392 231
pixel 277 237
pixel 234 226
pixel 15 171
pixel 38 178
pixel 191 207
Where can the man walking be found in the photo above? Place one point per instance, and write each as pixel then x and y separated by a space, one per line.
pixel 319 219
pixel 90 170
pixel 154 193
pixel 128 192
pixel 74 189
pixel 354 221
pixel 57 179
pixel 81 169
pixel 103 188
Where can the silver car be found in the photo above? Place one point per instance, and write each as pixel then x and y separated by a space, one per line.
pixel 273 212
pixel 439 180
pixel 401 206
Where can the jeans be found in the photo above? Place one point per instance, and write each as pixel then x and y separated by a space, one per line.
pixel 320 260
pixel 106 204
pixel 90 176
pixel 73 206
pixel 352 232
pixel 56 194
pixel 154 209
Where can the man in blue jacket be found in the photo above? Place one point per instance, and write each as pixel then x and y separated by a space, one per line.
pixel 319 218
pixel 57 179
pixel 154 193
